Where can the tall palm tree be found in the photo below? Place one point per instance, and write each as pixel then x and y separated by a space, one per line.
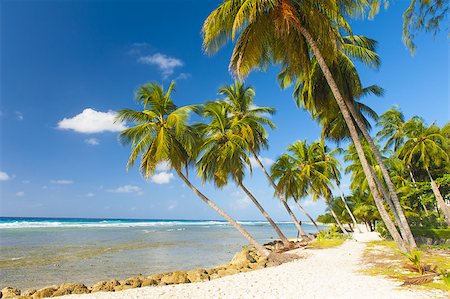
pixel 332 166
pixel 224 154
pixel 161 134
pixel 313 93
pixel 426 147
pixel 288 32
pixel 240 99
pixel 290 183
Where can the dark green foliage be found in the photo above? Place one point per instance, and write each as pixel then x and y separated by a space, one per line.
pixel 434 233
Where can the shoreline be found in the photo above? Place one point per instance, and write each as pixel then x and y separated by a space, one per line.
pixel 251 276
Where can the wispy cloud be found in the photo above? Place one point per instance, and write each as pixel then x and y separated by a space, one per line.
pixel 19 115
pixel 172 205
pixel 20 193
pixel 308 203
pixel 4 176
pixel 90 194
pixel 61 182
pixel 183 76
pixel 162 177
pixel 127 189
pixel 267 162
pixel 92 141
pixel 92 121
pixel 165 64
pixel 240 201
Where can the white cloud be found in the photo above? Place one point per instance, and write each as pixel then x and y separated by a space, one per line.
pixel 19 115
pixel 162 177
pixel 26 181
pixel 20 193
pixel 267 162
pixel 163 166
pixel 91 121
pixel 164 63
pixel 172 205
pixel 92 141
pixel 127 189
pixel 4 176
pixel 90 194
pixel 240 200
pixel 44 187
pixel 308 203
pixel 61 182
pixel 183 76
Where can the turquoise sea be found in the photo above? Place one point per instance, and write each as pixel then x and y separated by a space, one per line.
pixel 37 252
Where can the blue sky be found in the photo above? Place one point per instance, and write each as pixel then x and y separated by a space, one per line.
pixel 67 65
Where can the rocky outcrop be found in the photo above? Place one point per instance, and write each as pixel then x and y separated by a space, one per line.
pixel 9 292
pixel 71 288
pixel 175 278
pixel 248 259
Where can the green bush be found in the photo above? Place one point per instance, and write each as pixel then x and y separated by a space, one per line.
pixel 382 230
pixel 333 232
pixel 434 233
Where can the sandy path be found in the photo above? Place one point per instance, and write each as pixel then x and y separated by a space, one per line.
pixel 326 273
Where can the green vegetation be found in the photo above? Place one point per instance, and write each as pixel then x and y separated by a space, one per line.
pixel 434 233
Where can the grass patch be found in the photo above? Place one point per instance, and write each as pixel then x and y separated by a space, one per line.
pixel 382 258
pixel 326 243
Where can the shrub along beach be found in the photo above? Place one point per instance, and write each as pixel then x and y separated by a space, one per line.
pixel 384 235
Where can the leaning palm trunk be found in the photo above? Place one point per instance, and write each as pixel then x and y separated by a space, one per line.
pixel 354 135
pixel 417 189
pixel 263 251
pixel 280 234
pixel 347 207
pixel 281 197
pixel 403 225
pixel 439 199
pixel 335 217
pixel 307 215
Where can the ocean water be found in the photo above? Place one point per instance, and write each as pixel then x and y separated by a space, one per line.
pixel 36 252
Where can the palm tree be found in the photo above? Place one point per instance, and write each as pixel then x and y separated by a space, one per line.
pixel 313 94
pixel 285 32
pixel 161 134
pixel 290 184
pixel 426 147
pixel 392 124
pixel 332 166
pixel 240 99
pixel 224 154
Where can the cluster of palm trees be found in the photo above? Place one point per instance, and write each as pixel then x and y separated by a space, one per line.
pixel 316 48
pixel 313 42
pixel 234 129
pixel 417 156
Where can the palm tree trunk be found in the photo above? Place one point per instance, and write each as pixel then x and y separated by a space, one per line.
pixel 439 199
pixel 405 230
pixel 354 135
pixel 263 251
pixel 335 217
pixel 307 215
pixel 420 196
pixel 347 207
pixel 261 209
pixel 281 197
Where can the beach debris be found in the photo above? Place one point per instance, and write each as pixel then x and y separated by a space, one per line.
pixel 419 280
pixel 10 292
pixel 28 293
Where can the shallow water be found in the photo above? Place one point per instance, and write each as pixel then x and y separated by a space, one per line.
pixel 40 252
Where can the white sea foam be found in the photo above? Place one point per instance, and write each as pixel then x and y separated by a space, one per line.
pixel 106 224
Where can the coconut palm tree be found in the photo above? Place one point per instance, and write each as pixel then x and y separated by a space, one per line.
pixel 224 154
pixel 332 165
pixel 313 93
pixel 392 124
pixel 289 32
pixel 161 134
pixel 240 99
pixel 290 183
pixel 426 146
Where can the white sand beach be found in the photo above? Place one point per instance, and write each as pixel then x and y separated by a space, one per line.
pixel 321 273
